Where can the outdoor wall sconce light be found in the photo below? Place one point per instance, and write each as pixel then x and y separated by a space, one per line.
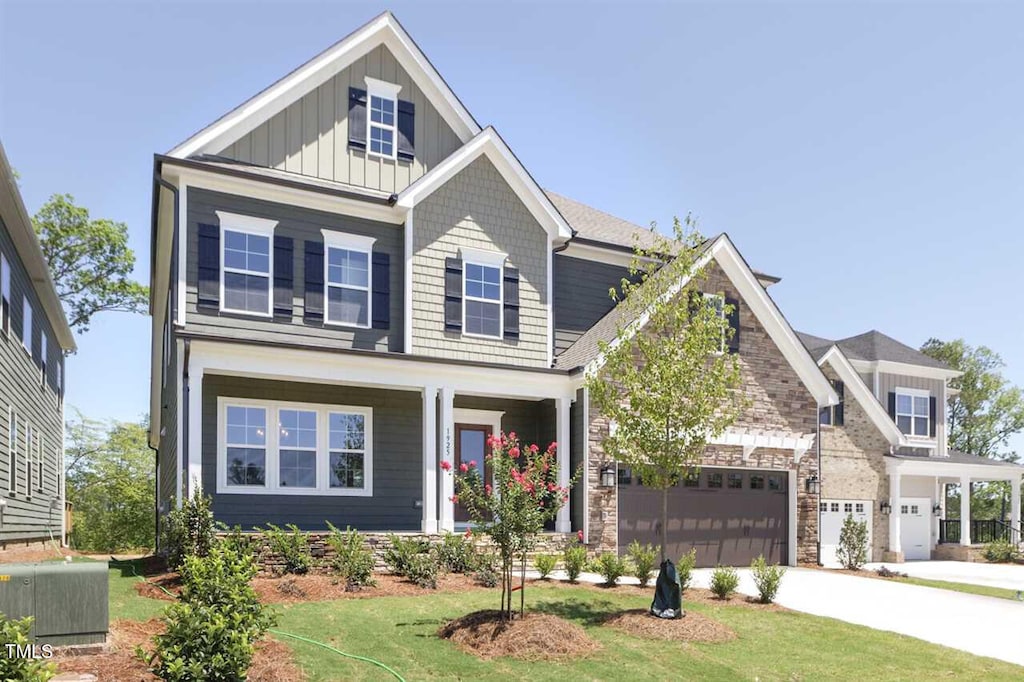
pixel 885 508
pixel 937 509
pixel 608 475
pixel 813 484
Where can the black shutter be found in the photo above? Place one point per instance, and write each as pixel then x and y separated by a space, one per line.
pixel 381 290
pixel 357 118
pixel 209 266
pixel 841 391
pixel 453 294
pixel 511 296
pixel 932 412
pixel 734 324
pixel 406 130
pixel 284 276
pixel 892 405
pixel 314 289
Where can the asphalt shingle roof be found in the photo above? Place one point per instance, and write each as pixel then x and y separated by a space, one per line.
pixel 871 346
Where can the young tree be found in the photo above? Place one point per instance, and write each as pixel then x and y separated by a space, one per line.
pixel 90 261
pixel 982 417
pixel 110 481
pixel 667 383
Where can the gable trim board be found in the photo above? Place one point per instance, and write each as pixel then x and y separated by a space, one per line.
pixel 892 367
pixel 852 380
pixel 724 252
pixel 382 30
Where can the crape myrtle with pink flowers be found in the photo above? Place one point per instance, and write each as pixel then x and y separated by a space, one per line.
pixel 509 497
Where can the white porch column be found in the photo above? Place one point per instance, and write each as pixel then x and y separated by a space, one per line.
pixel 965 510
pixel 895 541
pixel 429 459
pixel 447 455
pixel 1015 507
pixel 195 430
pixel 563 523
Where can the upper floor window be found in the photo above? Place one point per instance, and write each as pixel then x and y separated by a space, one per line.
pixel 913 412
pixel 5 294
pixel 347 278
pixel 247 259
pixel 833 414
pixel 382 128
pixel 717 303
pixel 26 325
pixel 12 450
pixel 482 292
pixel 42 358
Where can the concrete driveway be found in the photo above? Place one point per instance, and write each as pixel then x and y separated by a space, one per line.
pixel 1009 576
pixel 985 626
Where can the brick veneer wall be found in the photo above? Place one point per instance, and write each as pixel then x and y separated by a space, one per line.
pixel 853 465
pixel 778 400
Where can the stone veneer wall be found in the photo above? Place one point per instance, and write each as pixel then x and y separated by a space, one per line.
pixel 272 563
pixel 853 465
pixel 778 401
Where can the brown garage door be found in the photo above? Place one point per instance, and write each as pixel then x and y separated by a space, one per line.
pixel 729 515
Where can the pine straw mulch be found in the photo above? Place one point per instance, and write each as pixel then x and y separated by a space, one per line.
pixel 532 637
pixel 293 589
pixel 692 594
pixel 273 661
pixel 693 627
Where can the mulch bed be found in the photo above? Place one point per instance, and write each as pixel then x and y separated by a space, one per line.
pixel 273 661
pixel 294 589
pixel 693 627
pixel 531 637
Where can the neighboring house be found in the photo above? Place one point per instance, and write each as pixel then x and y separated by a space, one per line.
pixel 34 336
pixel 885 454
pixel 353 281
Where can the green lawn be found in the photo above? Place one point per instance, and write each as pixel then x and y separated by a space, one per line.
pixel 983 590
pixel 399 631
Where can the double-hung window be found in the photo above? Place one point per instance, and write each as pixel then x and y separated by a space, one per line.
pixel 913 412
pixel 314 449
pixel 482 292
pixel 42 358
pixel 347 278
pixel 382 98
pixel 26 324
pixel 717 303
pixel 5 294
pixel 247 264
pixel 28 460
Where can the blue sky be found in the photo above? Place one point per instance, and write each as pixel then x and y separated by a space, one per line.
pixel 870 154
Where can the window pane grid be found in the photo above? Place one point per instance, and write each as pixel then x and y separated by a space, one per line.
pixel 348 286
pixel 246 445
pixel 482 289
pixel 297 440
pixel 246 276
pixel 913 414
pixel 382 125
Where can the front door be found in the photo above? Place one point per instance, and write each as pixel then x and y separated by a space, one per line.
pixel 915 528
pixel 470 446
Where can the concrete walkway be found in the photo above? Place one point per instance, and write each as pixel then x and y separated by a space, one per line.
pixel 1009 576
pixel 984 626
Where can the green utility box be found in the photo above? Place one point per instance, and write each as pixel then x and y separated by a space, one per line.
pixel 69 601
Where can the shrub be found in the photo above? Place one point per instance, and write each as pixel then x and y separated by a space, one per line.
pixel 724 581
pixel 16 632
pixel 236 539
pixel 1001 552
pixel 211 632
pixel 767 579
pixel 885 572
pixel 188 531
pixel 422 570
pixel 487 570
pixel 610 566
pixel 456 553
pixel 353 560
pixel 398 557
pixel 545 563
pixel 852 552
pixel 292 547
pixel 685 567
pixel 644 558
pixel 575 558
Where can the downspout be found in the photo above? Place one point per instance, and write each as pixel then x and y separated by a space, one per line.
pixel 821 479
pixel 183 446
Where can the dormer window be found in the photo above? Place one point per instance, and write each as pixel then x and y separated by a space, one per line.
pixel 381 123
pixel 913 412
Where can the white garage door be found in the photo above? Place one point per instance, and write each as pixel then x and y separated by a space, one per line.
pixel 833 514
pixel 915 528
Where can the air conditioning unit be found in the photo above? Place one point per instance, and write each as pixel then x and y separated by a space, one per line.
pixel 69 601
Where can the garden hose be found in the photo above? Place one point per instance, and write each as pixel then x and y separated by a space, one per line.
pixel 276 632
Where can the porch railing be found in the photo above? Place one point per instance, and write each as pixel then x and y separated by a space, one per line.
pixel 983 531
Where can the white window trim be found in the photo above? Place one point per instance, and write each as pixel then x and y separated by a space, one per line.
pixel 40 478
pixel 261 227
pixel 913 393
pixel 42 358
pixel 384 90
pixel 487 259
pixel 28 459
pixel 348 242
pixel 272 461
pixel 26 324
pixel 12 450
pixel 721 315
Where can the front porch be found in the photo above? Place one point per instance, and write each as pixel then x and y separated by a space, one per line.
pixel 919 523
